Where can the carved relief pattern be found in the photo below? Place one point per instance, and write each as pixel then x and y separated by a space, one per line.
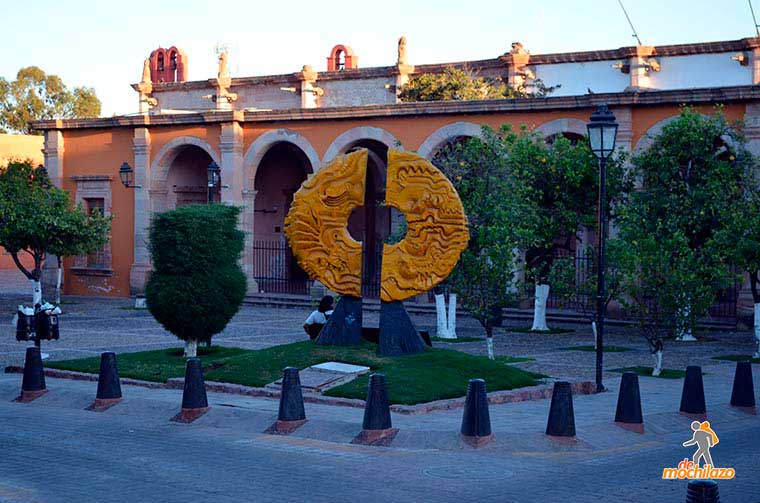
pixel 437 227
pixel 316 225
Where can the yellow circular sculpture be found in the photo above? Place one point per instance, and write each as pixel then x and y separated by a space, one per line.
pixel 436 227
pixel 316 225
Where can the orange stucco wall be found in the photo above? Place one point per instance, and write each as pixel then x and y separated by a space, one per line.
pixel 101 151
pixel 19 147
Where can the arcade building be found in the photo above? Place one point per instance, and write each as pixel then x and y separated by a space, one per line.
pixel 264 135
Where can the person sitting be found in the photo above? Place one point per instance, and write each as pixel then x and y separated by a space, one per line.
pixel 317 319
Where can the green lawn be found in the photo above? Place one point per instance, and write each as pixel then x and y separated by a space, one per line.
pixel 737 358
pixel 607 349
pixel 647 372
pixel 433 375
pixel 514 359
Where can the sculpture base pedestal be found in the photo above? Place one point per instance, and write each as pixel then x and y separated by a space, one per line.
pixel 285 427
pixel 382 438
pixel 344 328
pixel 397 333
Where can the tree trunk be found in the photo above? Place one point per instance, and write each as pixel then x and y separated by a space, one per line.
pixel 36 292
pixel 452 321
pixel 684 333
pixel 757 329
pixel 489 342
pixel 753 280
pixel 440 316
pixel 191 348
pixel 58 283
pixel 593 331
pixel 539 308
pixel 657 370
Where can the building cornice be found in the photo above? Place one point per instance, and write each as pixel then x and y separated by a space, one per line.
pixel 743 44
pixel 634 98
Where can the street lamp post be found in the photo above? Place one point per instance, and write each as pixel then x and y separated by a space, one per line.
pixel 602 130
pixel 214 178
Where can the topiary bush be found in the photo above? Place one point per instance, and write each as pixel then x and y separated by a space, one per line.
pixel 197 285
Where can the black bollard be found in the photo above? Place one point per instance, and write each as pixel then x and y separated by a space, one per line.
pixel 693 395
pixel 743 392
pixel 702 491
pixel 109 386
pixel 628 413
pixel 561 415
pixel 291 414
pixel 194 401
pixel 33 383
pixel 476 421
pixel 377 427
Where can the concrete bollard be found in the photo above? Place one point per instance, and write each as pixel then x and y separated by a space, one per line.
pixel 476 421
pixel 291 414
pixel 743 392
pixel 109 386
pixel 194 401
pixel 702 491
pixel 33 383
pixel 693 394
pixel 561 421
pixel 376 427
pixel 628 412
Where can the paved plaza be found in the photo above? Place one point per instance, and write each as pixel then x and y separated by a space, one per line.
pixel 53 450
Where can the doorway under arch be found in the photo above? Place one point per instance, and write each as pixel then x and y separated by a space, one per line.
pixel 280 173
pixel 187 178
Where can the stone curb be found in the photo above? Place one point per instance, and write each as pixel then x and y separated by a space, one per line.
pixel 539 392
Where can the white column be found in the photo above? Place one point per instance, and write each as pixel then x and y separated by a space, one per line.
pixel 141 263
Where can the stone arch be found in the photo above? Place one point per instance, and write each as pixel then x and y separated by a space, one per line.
pixel 347 139
pixel 646 140
pixel 163 160
pixel 566 125
pixel 442 135
pixel 263 143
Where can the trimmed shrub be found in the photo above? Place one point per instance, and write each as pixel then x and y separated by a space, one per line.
pixel 197 284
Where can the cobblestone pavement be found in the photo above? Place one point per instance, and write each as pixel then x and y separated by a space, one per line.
pixel 92 325
pixel 53 450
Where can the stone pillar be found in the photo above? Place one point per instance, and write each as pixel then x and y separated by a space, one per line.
pixel 309 91
pixel 518 73
pixel 53 151
pixel 403 74
pixel 233 176
pixel 249 201
pixel 138 274
pixel 641 64
pixel 745 302
pixel 233 190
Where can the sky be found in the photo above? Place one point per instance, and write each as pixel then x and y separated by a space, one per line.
pixel 102 44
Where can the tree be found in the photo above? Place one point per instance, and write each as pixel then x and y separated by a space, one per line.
pixel 197 285
pixel 484 276
pixel 558 181
pixel 39 219
pixel 741 237
pixel 463 84
pixel 35 95
pixel 574 279
pixel 675 263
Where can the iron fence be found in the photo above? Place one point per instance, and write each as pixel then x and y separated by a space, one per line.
pixel 276 271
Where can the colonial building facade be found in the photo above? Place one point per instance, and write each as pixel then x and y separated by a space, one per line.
pixel 269 133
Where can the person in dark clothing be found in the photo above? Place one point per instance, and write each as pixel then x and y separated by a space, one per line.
pixel 317 319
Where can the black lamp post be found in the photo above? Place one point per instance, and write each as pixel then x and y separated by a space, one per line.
pixel 602 130
pixel 126 174
pixel 214 178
